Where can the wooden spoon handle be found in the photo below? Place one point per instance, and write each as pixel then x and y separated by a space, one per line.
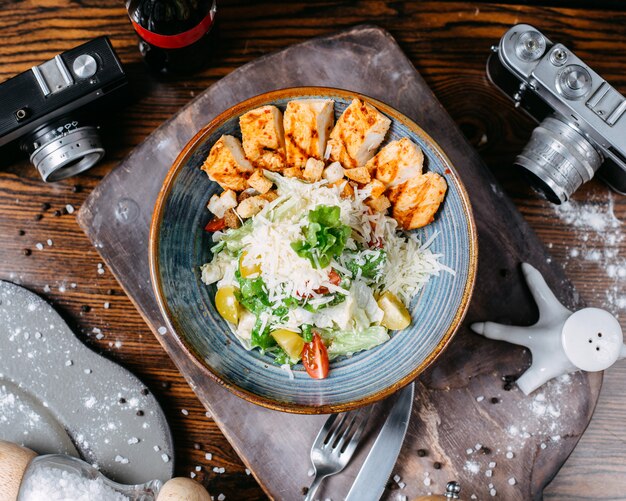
pixel 13 462
pixel 182 489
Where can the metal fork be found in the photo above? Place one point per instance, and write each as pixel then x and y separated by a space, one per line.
pixel 335 444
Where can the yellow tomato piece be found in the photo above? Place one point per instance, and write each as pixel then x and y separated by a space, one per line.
pixel 227 304
pixel 248 270
pixel 396 316
pixel 290 341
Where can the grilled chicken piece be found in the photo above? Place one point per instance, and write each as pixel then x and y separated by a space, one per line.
pixel 416 201
pixel 293 172
pixel 263 137
pixel 358 132
pixel 307 125
pixel 227 164
pixel 397 162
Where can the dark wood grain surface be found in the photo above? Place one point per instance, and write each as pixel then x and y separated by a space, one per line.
pixel 448 42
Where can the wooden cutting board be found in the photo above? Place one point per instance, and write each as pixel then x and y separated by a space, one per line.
pixel 461 402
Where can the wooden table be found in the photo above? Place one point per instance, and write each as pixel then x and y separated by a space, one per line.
pixel 448 42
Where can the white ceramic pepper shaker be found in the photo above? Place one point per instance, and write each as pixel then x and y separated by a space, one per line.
pixel 561 341
pixel 21 468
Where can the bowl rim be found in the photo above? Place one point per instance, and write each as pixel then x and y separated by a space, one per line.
pixel 157 217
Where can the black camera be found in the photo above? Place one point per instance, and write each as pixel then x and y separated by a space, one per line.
pixel 45 110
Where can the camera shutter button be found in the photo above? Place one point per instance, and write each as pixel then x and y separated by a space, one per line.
pixel 85 66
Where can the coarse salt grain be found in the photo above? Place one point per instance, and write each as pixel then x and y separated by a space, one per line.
pixel 510 455
pixel 248 472
pixel 68 363
pixel 49 242
pixel 493 492
pixel 69 208
pixel 133 440
pixel 192 474
pixel 402 485
pixel 469 451
pixel 121 459
pixel 512 481
pixel 543 446
pixel 39 246
pixel 396 478
pixel 184 412
pixel 162 330
pixel 221 497
pixel 53 484
pixel 165 458
pixel 107 305
pixel 198 468
pixel 489 473
pixel 208 456
pixel 472 467
pixel 427 481
pixel 492 464
pixel 480 398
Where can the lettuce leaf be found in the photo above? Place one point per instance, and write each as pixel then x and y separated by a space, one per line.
pixel 349 342
pixel 325 236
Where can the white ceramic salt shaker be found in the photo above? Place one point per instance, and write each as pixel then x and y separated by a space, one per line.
pixel 561 341
pixel 20 467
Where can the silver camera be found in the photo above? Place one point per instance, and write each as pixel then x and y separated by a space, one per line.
pixel 582 118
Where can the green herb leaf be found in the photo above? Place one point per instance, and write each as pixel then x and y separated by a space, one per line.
pixel 370 264
pixel 325 236
pixel 263 339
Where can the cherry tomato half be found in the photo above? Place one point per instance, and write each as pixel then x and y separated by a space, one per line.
pixel 315 358
pixel 215 224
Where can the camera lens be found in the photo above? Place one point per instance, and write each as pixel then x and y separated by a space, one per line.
pixel 558 159
pixel 63 149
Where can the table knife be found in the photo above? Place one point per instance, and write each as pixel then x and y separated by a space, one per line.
pixel 374 474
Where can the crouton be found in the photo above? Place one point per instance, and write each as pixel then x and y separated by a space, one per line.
pixel 346 188
pixel 313 170
pixel 375 187
pixel 334 172
pixel 263 137
pixel 307 125
pixel 380 204
pixel 259 182
pixel 270 196
pixel 247 193
pixel 356 135
pixel 293 172
pixel 231 219
pixel 218 205
pixel 251 206
pixel 416 201
pixel 397 162
pixel 359 174
pixel 227 164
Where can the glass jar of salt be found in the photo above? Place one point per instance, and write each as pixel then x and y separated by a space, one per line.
pixel 56 477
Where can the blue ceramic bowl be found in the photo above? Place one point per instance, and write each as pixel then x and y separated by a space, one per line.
pixel 179 246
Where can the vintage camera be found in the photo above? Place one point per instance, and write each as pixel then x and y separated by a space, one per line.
pixel 45 110
pixel 582 118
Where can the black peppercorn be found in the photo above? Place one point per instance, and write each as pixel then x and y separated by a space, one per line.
pixel 485 450
pixel 421 453
pixel 145 391
pixel 77 188
pixel 85 308
pixel 437 465
pixel 122 400
pixel 139 413
pixel 110 292
pixel 38 217
pixel 494 400
pixel 21 233
pixel 45 206
pixel 27 252
pixel 507 387
pixel 57 213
